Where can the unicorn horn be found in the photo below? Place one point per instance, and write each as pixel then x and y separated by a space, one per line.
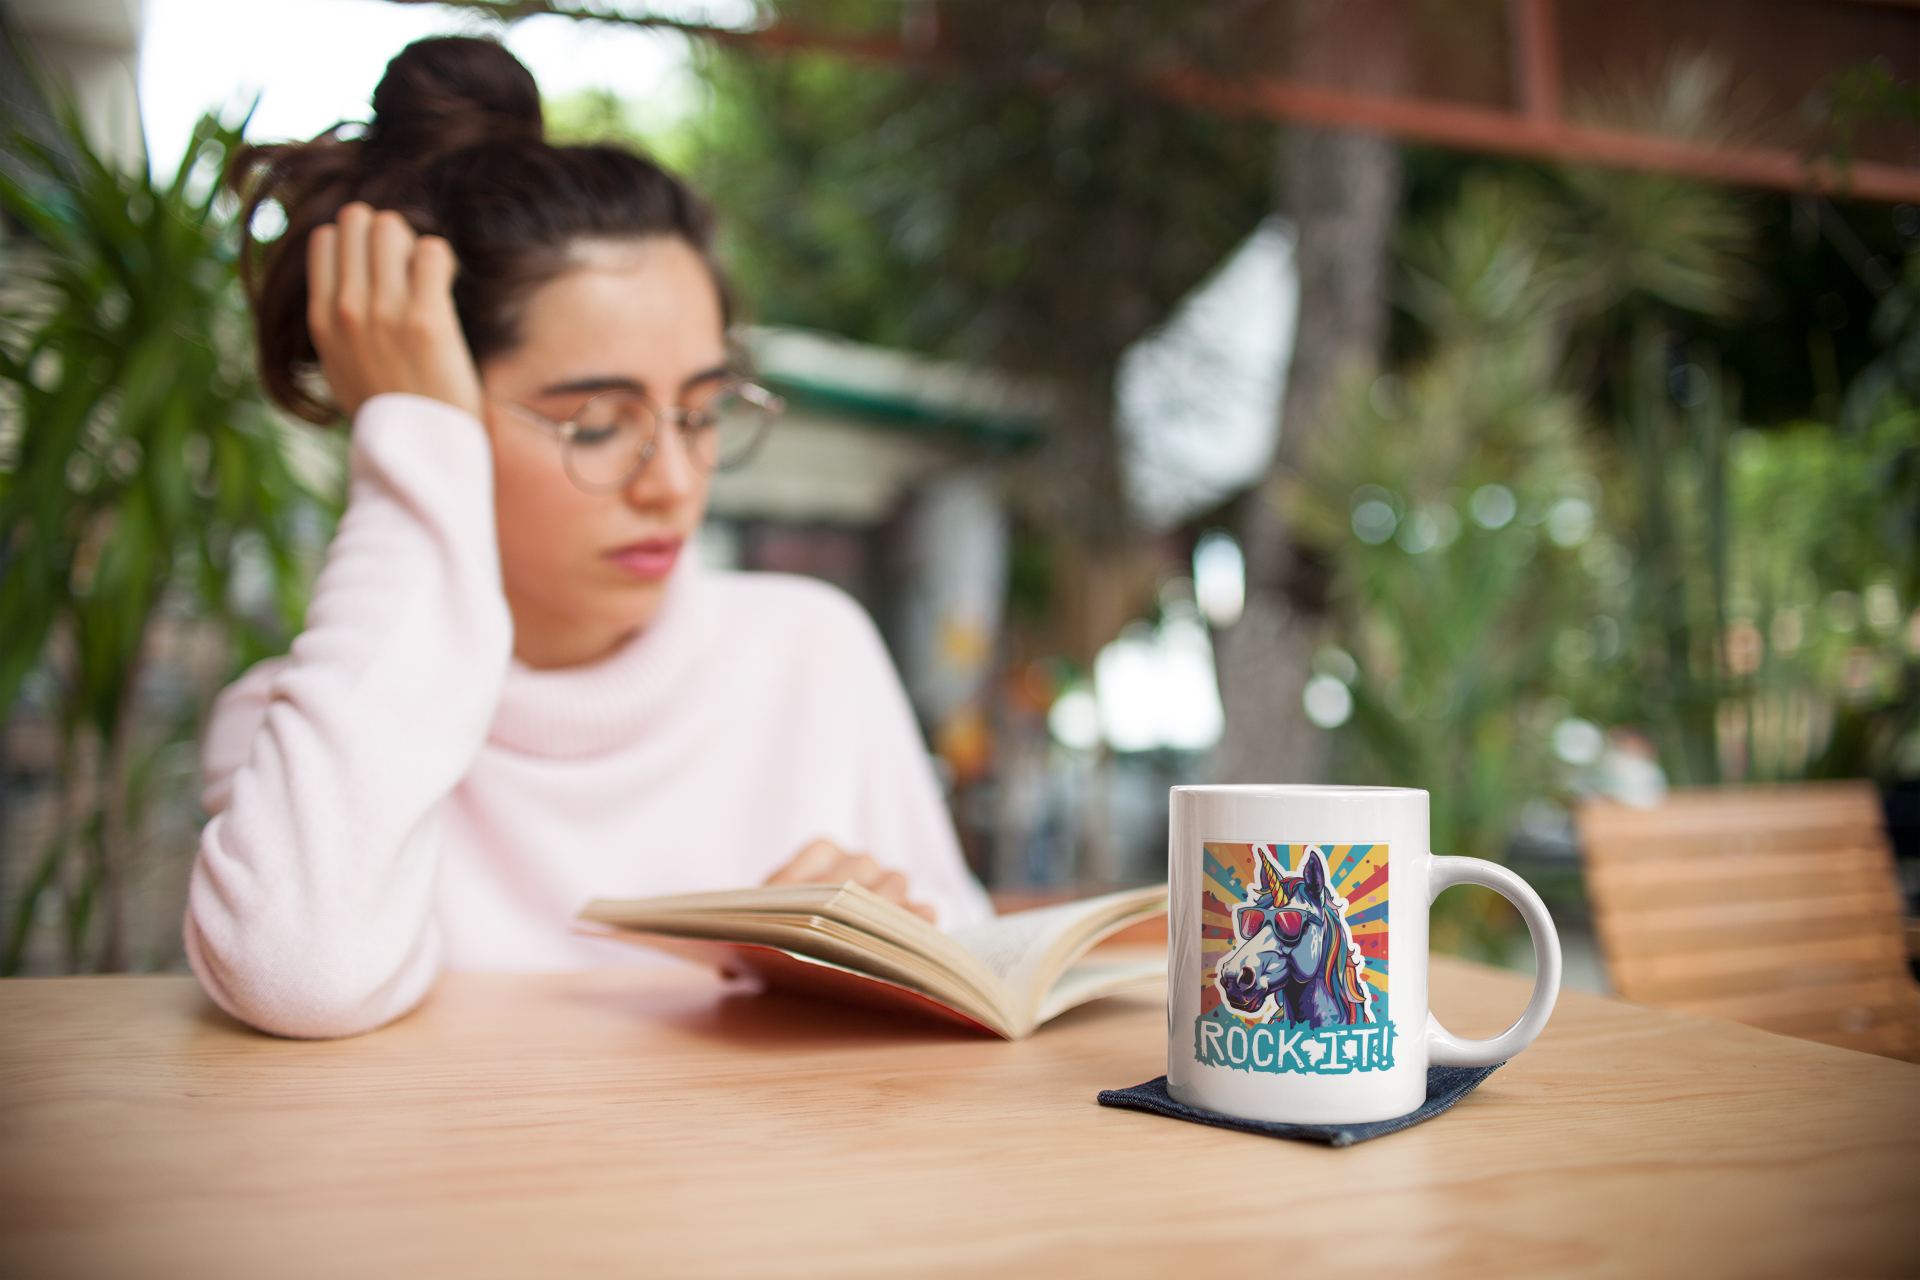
pixel 1270 871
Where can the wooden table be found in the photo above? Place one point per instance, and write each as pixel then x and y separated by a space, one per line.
pixel 654 1124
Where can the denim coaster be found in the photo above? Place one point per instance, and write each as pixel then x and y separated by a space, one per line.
pixel 1445 1086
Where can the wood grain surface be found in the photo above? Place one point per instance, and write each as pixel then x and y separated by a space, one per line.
pixel 654 1123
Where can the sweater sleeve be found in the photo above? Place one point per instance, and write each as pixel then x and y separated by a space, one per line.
pixel 310 911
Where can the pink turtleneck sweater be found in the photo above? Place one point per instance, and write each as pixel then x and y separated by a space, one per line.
pixel 398 795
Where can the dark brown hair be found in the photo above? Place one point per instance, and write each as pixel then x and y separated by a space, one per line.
pixel 457 144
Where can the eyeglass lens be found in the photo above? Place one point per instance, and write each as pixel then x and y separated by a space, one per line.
pixel 611 434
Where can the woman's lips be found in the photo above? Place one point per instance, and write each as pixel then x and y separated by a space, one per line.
pixel 651 559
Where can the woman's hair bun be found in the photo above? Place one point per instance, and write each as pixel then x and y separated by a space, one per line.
pixel 457 147
pixel 443 95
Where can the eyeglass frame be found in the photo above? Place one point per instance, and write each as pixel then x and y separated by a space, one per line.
pixel 676 416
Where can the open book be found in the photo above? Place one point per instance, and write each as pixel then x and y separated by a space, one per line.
pixel 1006 976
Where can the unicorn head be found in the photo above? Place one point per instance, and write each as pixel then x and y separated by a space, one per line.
pixel 1293 954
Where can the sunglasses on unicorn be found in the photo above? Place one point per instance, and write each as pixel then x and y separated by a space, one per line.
pixel 1248 921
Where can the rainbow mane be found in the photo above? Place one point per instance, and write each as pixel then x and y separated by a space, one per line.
pixel 1343 974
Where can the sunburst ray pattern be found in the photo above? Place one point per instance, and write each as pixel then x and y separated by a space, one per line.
pixel 1359 876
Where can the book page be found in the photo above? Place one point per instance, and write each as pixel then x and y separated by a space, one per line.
pixel 1092 978
pixel 847 914
pixel 786 898
pixel 836 943
pixel 1014 945
pixel 808 972
pixel 849 903
pixel 1000 971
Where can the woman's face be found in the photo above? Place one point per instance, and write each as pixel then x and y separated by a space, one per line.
pixel 585 571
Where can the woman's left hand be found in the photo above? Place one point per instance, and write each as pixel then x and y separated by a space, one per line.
pixel 824 862
pixel 380 311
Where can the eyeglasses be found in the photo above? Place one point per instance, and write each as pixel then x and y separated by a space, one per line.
pixel 1249 921
pixel 611 438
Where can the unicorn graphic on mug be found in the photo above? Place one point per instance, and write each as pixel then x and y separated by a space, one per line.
pixel 1293 955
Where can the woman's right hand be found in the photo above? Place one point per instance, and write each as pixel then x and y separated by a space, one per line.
pixel 380 309
pixel 824 862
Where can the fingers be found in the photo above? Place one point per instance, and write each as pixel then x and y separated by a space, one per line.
pixel 432 323
pixel 389 267
pixel 335 302
pixel 351 294
pixel 890 885
pixel 380 309
pixel 323 278
pixel 432 266
pixel 814 864
pixel 868 874
pixel 824 862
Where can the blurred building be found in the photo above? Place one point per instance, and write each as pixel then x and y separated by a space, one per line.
pixel 886 478
pixel 91 45
pixel 889 477
pixel 869 435
pixel 882 479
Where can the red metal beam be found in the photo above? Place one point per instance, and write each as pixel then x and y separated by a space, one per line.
pixel 1449 124
pixel 1536 47
pixel 1538 132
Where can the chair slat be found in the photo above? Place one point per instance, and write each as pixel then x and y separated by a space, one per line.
pixel 1870 904
pixel 1744 841
pixel 1838 859
pixel 1648 972
pixel 1694 942
pixel 1850 881
pixel 1681 992
pixel 1714 811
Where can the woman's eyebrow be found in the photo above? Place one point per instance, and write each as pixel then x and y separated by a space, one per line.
pixel 593 385
pixel 610 382
pixel 714 374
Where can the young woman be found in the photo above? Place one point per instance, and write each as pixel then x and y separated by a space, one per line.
pixel 515 691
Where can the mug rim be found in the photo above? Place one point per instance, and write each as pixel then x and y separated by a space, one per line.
pixel 1292 789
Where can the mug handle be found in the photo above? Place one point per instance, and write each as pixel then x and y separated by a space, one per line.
pixel 1443 1047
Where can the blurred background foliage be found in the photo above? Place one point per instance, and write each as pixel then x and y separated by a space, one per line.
pixel 1433 496
pixel 155 518
pixel 1023 206
pixel 1818 652
pixel 1637 484
pixel 1559 511
pixel 1551 518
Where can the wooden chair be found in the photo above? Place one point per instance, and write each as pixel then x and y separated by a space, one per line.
pixel 1773 906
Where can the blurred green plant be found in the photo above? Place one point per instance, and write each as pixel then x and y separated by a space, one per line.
pixel 1503 561
pixel 1732 622
pixel 1864 94
pixel 1648 250
pixel 1896 370
pixel 601 116
pixel 1822 643
pixel 1767 628
pixel 140 478
pixel 1450 499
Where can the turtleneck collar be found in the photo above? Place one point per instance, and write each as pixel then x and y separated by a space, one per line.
pixel 589 710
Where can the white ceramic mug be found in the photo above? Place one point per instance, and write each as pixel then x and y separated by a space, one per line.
pixel 1297 953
